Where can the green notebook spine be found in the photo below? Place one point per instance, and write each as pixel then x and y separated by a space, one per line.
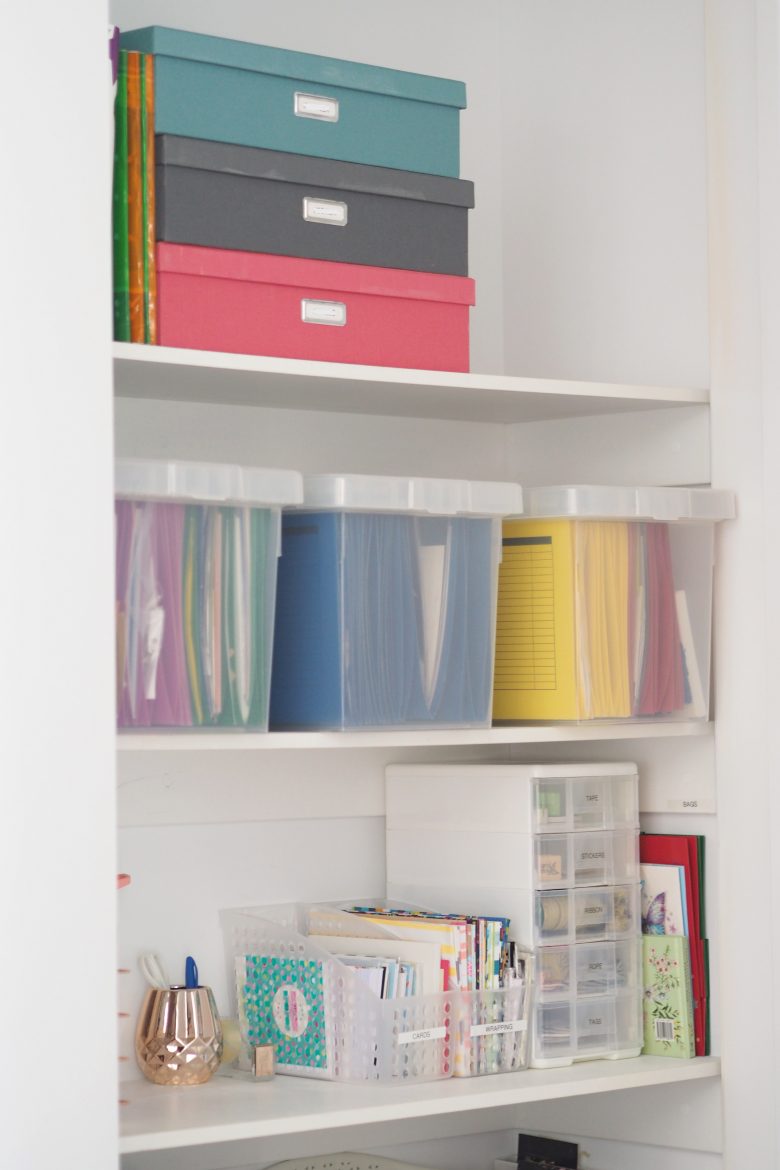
pixel 144 196
pixel 120 241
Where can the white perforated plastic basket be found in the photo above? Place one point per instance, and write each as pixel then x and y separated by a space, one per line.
pixel 326 1023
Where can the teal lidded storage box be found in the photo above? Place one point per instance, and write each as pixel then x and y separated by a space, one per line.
pixel 255 95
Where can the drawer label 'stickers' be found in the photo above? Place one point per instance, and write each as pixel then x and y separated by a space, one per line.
pixel 499 1029
pixel 314 105
pixel 325 211
pixel 323 312
pixel 422 1034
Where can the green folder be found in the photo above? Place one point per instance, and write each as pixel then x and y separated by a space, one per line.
pixel 667 1004
pixel 121 255
pixel 144 195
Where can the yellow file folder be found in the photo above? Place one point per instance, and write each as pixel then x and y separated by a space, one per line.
pixel 563 646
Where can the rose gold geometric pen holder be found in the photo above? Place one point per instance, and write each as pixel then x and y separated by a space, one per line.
pixel 178 1040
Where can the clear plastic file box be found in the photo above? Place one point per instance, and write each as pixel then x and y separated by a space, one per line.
pixel 197 548
pixel 327 1023
pixel 386 603
pixel 513 798
pixel 605 600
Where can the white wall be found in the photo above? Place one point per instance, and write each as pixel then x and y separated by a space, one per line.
pixel 57 864
pixel 605 223
pixel 743 145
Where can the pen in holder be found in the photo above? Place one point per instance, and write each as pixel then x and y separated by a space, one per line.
pixel 178 1040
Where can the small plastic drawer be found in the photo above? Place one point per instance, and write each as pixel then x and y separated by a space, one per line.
pixel 585 859
pixel 428 855
pixel 513 798
pixel 611 1025
pixel 587 969
pixel 537 918
pixel 576 803
pixel 605 1027
pixel 588 914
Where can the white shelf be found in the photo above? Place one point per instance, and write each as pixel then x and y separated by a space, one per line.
pixel 210 740
pixel 185 375
pixel 227 1111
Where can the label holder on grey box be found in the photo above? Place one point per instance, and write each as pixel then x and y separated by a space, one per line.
pixel 323 312
pixel 327 211
pixel 317 106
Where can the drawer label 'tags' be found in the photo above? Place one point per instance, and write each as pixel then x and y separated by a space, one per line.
pixel 314 105
pixel 329 211
pixel 323 312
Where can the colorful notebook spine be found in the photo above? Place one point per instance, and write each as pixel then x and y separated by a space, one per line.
pixel 121 259
pixel 148 180
pixel 135 276
pixel 135 219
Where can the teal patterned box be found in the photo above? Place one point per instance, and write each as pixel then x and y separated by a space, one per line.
pixel 255 95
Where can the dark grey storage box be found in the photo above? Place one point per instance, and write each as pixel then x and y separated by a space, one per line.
pixel 243 198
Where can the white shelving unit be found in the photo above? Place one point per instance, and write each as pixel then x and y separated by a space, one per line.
pixel 229 818
pixel 220 1125
pixel 625 234
pixel 200 741
pixel 293 1113
pixel 186 375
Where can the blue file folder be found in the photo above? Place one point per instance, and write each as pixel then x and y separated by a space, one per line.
pixel 384 620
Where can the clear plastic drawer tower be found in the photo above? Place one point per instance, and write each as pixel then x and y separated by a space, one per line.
pixel 555 848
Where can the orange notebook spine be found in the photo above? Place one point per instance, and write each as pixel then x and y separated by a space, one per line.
pixel 135 213
pixel 149 202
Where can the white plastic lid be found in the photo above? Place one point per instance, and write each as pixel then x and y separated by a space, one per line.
pixel 587 501
pixel 389 493
pixel 153 479
pixel 564 771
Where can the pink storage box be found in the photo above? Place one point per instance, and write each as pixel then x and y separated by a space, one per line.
pixel 285 306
